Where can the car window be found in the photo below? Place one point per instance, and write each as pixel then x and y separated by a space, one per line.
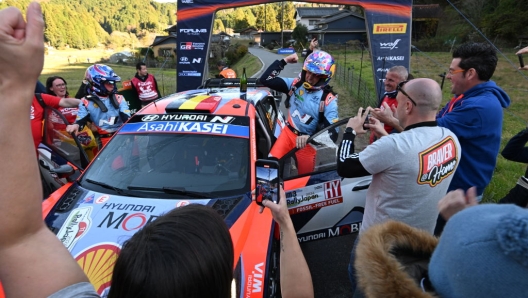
pixel 159 165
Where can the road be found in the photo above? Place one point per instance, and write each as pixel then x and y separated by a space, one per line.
pixel 328 259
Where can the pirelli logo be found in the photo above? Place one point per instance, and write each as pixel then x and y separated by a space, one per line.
pixel 393 28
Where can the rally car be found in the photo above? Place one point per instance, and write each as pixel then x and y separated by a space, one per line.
pixel 200 147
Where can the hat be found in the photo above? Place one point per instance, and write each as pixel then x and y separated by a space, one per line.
pixel 483 252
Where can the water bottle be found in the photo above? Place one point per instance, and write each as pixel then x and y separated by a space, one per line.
pixel 243 81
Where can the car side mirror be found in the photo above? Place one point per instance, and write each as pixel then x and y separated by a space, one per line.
pixel 64 171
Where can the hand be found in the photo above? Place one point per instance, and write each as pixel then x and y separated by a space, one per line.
pixel 22 48
pixel 376 127
pixel 357 122
pixel 293 58
pixel 456 201
pixel 385 114
pixel 522 51
pixel 313 44
pixel 278 211
pixel 73 128
pixel 301 141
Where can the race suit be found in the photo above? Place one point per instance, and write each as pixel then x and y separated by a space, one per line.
pixel 106 122
pixel 303 116
pixel 227 73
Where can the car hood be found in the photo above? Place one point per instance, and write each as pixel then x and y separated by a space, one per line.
pixel 85 218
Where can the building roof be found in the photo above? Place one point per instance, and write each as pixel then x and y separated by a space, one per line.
pixel 315 12
pixel 163 40
pixel 339 15
pixel 248 29
pixel 431 11
pixel 173 28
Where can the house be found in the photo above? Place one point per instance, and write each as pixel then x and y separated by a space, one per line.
pixel 266 38
pixel 165 46
pixel 309 16
pixel 340 27
pixel 425 20
pixel 247 32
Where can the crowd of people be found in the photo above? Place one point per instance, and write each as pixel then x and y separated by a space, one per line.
pixel 440 163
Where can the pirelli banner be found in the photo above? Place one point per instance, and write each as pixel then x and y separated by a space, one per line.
pixel 388 24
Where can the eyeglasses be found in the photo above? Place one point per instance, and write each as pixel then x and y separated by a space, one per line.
pixel 399 88
pixel 452 72
pixel 60 85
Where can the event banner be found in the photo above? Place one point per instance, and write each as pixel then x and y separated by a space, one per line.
pixel 388 25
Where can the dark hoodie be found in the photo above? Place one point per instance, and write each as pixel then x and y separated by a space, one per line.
pixel 476 120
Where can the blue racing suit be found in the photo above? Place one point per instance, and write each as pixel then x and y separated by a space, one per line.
pixel 106 122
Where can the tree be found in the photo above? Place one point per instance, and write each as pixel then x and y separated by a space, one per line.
pixel 299 34
pixel 218 26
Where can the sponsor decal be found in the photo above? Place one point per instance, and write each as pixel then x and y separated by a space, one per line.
pixel 391 58
pixel 226 119
pixel 344 229
pixel 311 236
pixel 193 31
pixel 389 45
pixel 97 263
pixel 129 207
pixel 189 73
pixel 192 45
pixel 382 70
pixel 125 221
pixel 186 127
pixel 254 280
pixel 184 60
pixel 390 28
pixel 312 200
pixel 75 226
pixel 89 199
pixel 438 162
pixel 182 203
pixel 102 199
pixel 147 118
pixel 187 1
pixel 197 60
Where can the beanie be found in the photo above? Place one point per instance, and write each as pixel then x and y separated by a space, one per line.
pixel 483 252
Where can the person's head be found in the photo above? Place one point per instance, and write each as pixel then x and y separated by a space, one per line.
pixel 472 64
pixel 57 86
pixel 221 64
pixel 318 70
pixel 141 69
pixel 102 79
pixel 187 252
pixel 394 76
pixel 418 101
pixel 483 252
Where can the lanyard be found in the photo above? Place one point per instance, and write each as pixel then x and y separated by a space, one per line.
pixel 452 104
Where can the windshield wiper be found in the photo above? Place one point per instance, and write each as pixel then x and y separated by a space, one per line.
pixel 108 186
pixel 172 190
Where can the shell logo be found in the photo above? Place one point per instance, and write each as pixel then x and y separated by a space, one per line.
pixel 98 263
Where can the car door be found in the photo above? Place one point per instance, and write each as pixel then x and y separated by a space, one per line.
pixel 321 203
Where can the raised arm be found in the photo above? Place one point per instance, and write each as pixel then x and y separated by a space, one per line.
pixel 295 277
pixel 33 262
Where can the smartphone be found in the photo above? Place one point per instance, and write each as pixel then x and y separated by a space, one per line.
pixel 367 121
pixel 521 61
pixel 267 181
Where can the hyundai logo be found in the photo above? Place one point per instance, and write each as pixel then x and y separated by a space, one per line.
pixel 150 118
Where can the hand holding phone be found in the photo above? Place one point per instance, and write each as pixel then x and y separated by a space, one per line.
pixel 521 61
pixel 267 181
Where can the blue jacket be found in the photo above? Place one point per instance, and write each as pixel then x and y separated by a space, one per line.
pixel 476 120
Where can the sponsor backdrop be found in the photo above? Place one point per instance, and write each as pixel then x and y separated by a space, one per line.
pixel 388 24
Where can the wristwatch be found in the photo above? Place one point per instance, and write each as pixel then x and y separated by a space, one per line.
pixel 350 130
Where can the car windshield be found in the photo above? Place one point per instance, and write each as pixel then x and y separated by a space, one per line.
pixel 171 165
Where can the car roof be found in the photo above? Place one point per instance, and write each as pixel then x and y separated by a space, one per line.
pixel 217 101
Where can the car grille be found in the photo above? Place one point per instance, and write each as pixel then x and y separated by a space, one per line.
pixel 224 206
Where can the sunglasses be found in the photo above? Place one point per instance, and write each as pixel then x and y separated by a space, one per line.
pixel 399 88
